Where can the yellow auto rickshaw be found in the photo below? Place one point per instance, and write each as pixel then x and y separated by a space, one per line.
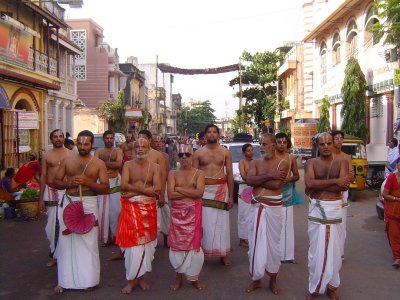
pixel 355 147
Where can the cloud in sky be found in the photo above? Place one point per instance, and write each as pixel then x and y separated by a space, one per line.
pixel 195 34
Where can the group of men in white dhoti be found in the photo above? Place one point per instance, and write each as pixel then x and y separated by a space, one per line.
pixel 82 209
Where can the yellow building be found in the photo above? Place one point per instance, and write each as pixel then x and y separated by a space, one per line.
pixel 36 79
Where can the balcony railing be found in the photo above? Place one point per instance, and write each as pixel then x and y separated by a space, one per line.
pixel 68 84
pixel 41 62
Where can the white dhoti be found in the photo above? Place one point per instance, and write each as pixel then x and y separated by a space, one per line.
pixel 189 263
pixel 287 235
pixel 109 209
pixel 324 255
pixel 138 259
pixel 163 217
pixel 216 239
pixel 52 198
pixel 343 225
pixel 78 262
pixel 265 234
pixel 244 213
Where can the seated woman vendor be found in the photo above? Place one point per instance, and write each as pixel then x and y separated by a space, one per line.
pixel 8 186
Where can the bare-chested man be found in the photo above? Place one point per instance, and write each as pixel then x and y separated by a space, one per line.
pixel 127 149
pixel 213 159
pixel 137 227
pixel 338 137
pixel 49 196
pixel 110 204
pixel 326 177
pixel 185 191
pixel 163 213
pixel 267 176
pixel 83 176
pixel 244 201
pixel 283 143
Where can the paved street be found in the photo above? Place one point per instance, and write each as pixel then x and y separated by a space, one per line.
pixel 366 272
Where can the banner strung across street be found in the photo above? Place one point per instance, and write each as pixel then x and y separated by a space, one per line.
pixel 169 69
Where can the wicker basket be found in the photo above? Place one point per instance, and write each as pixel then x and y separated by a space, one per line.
pixel 29 207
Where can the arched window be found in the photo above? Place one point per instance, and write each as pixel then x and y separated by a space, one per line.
pixel 371 18
pixel 336 43
pixel 323 52
pixel 351 40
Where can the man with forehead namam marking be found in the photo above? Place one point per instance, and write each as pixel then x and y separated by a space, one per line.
pixel 326 177
pixel 137 227
pixel 185 191
pixel 214 160
pixel 267 176
pixel 49 195
pixel 83 176
pixel 110 204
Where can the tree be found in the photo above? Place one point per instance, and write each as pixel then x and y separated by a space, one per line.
pixel 195 119
pixel 323 122
pixel 259 73
pixel 389 12
pixel 114 112
pixel 354 105
pixel 238 122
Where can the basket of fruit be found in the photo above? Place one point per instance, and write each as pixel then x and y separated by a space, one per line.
pixel 29 203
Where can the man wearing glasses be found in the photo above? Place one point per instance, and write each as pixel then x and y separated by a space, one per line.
pixel 216 162
pixel 185 192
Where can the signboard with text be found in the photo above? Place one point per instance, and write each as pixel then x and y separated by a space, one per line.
pixel 14 45
pixel 27 120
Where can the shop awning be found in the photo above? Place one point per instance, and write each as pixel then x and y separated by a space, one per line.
pixel 4 101
pixel 133 113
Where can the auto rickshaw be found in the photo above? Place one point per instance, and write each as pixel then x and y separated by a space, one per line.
pixel 355 147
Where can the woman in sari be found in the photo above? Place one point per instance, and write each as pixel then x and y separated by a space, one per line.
pixel 391 196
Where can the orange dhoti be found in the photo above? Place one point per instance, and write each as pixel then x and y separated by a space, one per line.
pixel 137 233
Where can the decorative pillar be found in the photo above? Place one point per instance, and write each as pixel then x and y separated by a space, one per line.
pixel 389 118
pixel 334 126
pixel 368 117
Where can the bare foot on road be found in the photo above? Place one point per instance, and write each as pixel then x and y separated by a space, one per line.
pixel 198 285
pixel 51 263
pixel 177 284
pixel 226 261
pixel 129 287
pixel 332 294
pixel 310 296
pixel 253 286
pixel 143 284
pixel 116 256
pixel 58 289
pixel 273 286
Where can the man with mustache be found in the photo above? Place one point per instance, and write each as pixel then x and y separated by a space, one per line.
pixel 109 204
pixel 49 195
pixel 267 176
pixel 326 178
pixel 214 160
pixel 137 227
pixel 83 176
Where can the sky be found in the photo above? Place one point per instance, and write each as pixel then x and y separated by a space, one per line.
pixel 195 34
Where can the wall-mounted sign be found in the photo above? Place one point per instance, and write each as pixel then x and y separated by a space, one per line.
pixel 14 44
pixel 27 120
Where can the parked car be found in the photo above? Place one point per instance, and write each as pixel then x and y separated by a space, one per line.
pixel 237 155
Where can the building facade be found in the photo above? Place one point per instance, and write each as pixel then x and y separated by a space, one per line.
pixel 97 74
pixel 340 30
pixel 35 77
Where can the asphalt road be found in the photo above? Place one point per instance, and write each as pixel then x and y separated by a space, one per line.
pixel 366 273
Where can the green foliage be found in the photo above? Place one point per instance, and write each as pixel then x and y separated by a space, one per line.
pixel 285 130
pixel 389 11
pixel 114 112
pixel 196 118
pixel 323 122
pixel 354 105
pixel 259 72
pixel 238 122
pixel 146 119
